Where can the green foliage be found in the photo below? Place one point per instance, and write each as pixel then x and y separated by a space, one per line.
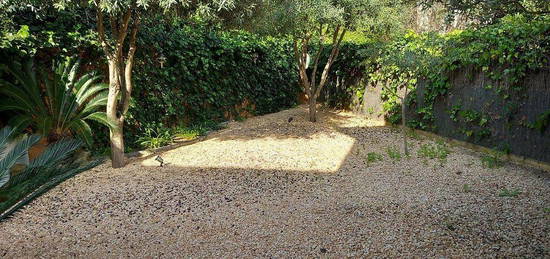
pixel 196 130
pixel 187 133
pixel 62 108
pixel 509 193
pixel 467 188
pixel 15 184
pixel 492 160
pixel 393 153
pixel 205 76
pixel 490 11
pixel 373 157
pixel 155 138
pixel 541 123
pixel 346 85
pixel 52 32
pixel 304 17
pixel 12 154
pixel 505 52
pixel 433 151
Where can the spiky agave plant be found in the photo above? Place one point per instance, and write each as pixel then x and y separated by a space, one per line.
pixel 56 105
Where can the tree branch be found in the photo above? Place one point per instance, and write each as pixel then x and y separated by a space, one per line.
pixel 337 40
pixel 101 32
pixel 129 65
pixel 319 52
pixel 123 26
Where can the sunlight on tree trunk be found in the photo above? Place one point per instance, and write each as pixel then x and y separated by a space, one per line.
pixel 120 76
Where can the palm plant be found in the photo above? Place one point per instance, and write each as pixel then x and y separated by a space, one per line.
pixel 56 105
pixel 14 151
pixel 53 166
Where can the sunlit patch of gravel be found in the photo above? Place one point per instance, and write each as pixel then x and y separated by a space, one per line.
pixel 212 201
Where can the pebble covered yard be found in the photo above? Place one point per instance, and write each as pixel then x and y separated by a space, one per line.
pixel 267 187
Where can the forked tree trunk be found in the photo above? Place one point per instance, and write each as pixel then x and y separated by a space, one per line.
pixel 120 77
pixel 311 87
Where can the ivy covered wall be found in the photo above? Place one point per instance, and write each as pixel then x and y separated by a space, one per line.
pixel 486 85
pixel 474 111
pixel 184 73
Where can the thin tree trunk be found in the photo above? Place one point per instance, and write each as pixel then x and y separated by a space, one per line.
pixel 403 122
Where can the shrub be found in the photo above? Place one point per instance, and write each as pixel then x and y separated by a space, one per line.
pixel 155 138
pixel 207 75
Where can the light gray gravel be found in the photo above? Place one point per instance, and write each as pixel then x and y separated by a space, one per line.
pixel 269 188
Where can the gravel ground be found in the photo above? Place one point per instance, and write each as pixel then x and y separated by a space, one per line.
pixel 269 188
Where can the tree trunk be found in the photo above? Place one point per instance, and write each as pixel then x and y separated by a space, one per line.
pixel 120 75
pixel 116 133
pixel 403 122
pixel 312 110
pixel 117 147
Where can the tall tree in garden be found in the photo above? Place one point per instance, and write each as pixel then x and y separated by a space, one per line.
pixel 118 23
pixel 123 20
pixel 313 25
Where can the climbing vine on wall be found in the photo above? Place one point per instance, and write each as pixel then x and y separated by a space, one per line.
pixel 505 52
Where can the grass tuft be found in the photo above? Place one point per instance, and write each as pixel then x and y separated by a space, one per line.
pixel 492 160
pixel 374 157
pixel 509 193
pixel 394 153
pixel 438 150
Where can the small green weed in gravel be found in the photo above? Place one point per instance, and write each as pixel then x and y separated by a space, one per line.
pixel 394 153
pixel 547 210
pixel 438 150
pixel 492 160
pixel 467 188
pixel 413 134
pixel 509 193
pixel 374 157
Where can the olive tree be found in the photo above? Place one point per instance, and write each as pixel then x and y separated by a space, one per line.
pixel 313 26
pixel 489 11
pixel 117 26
